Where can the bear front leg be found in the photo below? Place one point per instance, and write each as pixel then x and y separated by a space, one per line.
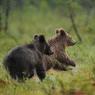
pixel 70 62
pixel 64 59
pixel 59 66
pixel 40 71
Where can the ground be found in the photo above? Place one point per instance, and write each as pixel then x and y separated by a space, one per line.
pixel 79 81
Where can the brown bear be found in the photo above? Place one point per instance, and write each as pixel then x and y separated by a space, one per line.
pixel 59 60
pixel 22 61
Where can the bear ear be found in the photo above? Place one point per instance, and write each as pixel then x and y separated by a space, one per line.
pixel 62 32
pixel 41 38
pixel 35 37
pixel 57 31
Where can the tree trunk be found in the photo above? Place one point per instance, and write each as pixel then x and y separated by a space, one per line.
pixel 0 22
pixel 71 16
pixel 7 12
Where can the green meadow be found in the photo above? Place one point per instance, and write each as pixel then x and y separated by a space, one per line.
pixel 78 81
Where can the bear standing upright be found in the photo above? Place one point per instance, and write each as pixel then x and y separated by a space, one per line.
pixel 22 61
pixel 58 44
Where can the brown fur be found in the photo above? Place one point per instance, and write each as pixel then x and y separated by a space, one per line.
pixel 59 60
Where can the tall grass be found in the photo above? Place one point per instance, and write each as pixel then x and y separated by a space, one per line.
pixel 79 80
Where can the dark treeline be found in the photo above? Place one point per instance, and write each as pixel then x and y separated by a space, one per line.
pixel 68 8
pixel 61 5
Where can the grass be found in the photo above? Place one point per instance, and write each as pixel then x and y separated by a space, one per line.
pixel 79 81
